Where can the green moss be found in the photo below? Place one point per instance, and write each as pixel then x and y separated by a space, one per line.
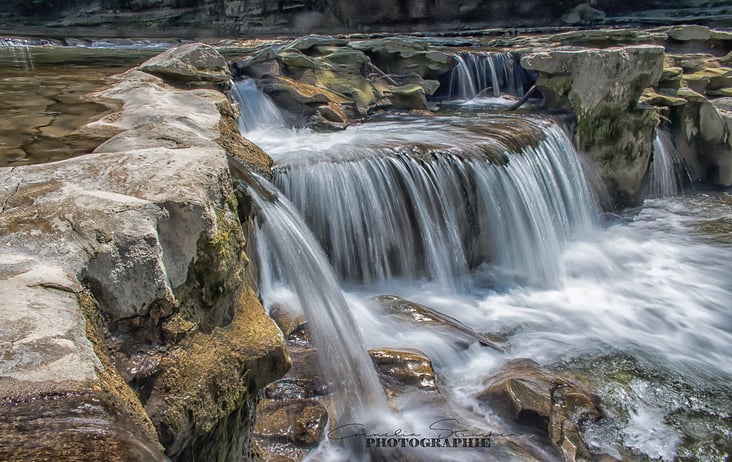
pixel 216 273
pixel 617 131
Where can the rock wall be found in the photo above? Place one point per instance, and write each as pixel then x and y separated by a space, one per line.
pixel 130 326
pixel 222 18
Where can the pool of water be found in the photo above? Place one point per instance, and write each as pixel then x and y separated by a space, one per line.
pixel 43 97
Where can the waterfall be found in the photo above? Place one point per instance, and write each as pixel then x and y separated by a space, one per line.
pixel 20 53
pixel 290 254
pixel 416 212
pixel 257 109
pixel 663 175
pixel 483 73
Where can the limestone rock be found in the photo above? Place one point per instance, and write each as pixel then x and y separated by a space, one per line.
pixel 403 56
pixel 583 13
pixel 603 80
pixel 299 421
pixel 690 32
pixel 193 62
pixel 524 392
pixel 149 224
pixel 307 42
pixel 603 87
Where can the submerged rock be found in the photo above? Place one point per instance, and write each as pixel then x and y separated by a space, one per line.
pixel 420 314
pixel 298 421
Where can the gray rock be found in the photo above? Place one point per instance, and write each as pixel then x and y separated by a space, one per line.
pixel 193 62
pixel 129 222
pixel 690 32
pixel 603 87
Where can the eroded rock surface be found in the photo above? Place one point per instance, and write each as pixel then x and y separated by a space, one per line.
pixel 127 301
pixel 525 393
pixel 603 86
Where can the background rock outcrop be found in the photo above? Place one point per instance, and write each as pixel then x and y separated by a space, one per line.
pixel 602 87
pixel 219 18
pixel 130 324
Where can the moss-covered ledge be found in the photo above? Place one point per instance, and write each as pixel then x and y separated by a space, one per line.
pixel 132 329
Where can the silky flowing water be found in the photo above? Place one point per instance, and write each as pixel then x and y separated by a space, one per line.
pixel 489 219
pixel 484 217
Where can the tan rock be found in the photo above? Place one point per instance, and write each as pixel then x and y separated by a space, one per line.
pixel 301 422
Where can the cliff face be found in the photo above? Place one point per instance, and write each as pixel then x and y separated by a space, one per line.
pixel 197 18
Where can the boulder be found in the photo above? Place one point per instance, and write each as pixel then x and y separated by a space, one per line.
pixel 307 42
pixel 297 421
pixel 604 81
pixel 525 393
pixel 689 32
pixel 603 87
pixel 399 369
pixel 193 62
pixel 128 307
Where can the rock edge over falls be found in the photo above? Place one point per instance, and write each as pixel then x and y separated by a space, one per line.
pixel 130 326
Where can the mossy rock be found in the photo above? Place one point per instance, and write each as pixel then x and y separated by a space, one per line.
pixel 652 98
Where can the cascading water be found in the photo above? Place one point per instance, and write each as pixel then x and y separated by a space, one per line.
pixel 483 73
pixel 290 255
pixel 20 52
pixel 416 211
pixel 637 307
pixel 663 175
pixel 256 109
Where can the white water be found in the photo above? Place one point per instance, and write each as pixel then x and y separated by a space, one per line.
pixel 664 177
pixel 19 51
pixel 484 74
pixel 256 109
pixel 639 306
pixel 416 212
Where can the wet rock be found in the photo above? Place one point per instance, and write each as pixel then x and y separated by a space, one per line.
pixel 261 63
pixel 286 319
pixel 301 422
pixel 193 62
pixel 525 393
pixel 294 387
pixel 400 369
pixel 420 314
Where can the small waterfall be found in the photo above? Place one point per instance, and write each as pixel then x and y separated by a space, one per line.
pixel 19 51
pixel 257 110
pixel 290 254
pixel 664 172
pixel 419 213
pixel 483 73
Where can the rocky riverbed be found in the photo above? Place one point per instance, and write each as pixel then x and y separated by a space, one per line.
pixel 132 284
